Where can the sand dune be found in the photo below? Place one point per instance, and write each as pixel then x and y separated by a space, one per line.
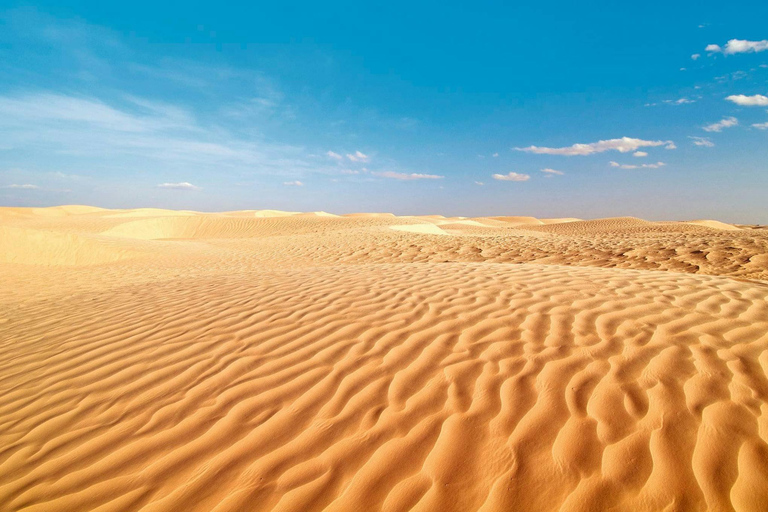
pixel 715 224
pixel 424 229
pixel 238 361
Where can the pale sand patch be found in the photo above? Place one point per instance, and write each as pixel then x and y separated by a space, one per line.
pixel 560 220
pixel 152 212
pixel 519 220
pixel 303 362
pixel 424 229
pixel 714 224
pixel 273 213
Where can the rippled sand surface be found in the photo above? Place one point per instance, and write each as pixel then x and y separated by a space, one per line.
pixel 263 360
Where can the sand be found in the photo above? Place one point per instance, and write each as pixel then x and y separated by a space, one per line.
pixel 162 361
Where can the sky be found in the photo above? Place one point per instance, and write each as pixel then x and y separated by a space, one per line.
pixel 656 110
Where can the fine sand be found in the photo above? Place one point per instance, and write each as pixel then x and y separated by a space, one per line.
pixel 262 360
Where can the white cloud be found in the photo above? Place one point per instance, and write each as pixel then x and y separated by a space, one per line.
pixel 511 176
pixel 643 166
pixel 184 185
pixel 738 46
pixel 138 134
pixel 622 145
pixel 702 141
pixel 293 183
pixel 639 154
pixel 726 122
pixel 480 183
pixel 552 172
pixel 46 107
pixel 406 176
pixel 25 186
pixel 358 157
pixel 758 100
pixel 335 156
pixel 695 56
pixel 495 155
pixel 760 126
pixel 681 101
pixel 349 171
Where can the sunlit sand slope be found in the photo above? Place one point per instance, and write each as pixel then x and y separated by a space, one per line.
pixel 238 362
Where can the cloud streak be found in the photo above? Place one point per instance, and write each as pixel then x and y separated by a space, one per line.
pixel 138 134
pixel 25 186
pixel 702 141
pixel 406 176
pixel 726 122
pixel 622 145
pixel 511 176
pixel 183 185
pixel 641 166
pixel 357 156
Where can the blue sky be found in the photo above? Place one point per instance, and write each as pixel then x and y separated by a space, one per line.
pixel 657 110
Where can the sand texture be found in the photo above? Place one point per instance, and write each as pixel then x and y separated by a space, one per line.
pixel 262 360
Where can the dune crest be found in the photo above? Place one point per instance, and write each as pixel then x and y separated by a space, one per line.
pixel 292 361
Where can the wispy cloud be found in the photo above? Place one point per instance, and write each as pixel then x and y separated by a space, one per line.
pixel 406 176
pixel 335 156
pixel 695 56
pixel 293 183
pixel 726 122
pixel 760 126
pixel 183 185
pixel 25 186
pixel 357 156
pixel 738 46
pixel 641 166
pixel 479 183
pixel 757 100
pixel 146 134
pixel 701 141
pixel 681 101
pixel 639 154
pixel 622 145
pixel 551 172
pixel 55 108
pixel 511 176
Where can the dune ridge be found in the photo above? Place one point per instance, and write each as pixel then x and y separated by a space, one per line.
pixel 305 362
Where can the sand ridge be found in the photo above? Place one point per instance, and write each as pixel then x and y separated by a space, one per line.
pixel 306 362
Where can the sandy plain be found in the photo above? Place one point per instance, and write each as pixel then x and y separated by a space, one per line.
pixel 260 360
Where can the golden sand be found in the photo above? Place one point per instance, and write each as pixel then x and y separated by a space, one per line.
pixel 263 360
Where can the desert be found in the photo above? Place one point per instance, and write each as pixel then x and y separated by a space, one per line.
pixel 263 360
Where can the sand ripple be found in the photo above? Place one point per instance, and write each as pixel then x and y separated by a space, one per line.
pixel 210 380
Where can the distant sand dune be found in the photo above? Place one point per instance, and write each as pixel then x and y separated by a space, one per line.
pixel 424 229
pixel 714 224
pixel 228 362
pixel 33 247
